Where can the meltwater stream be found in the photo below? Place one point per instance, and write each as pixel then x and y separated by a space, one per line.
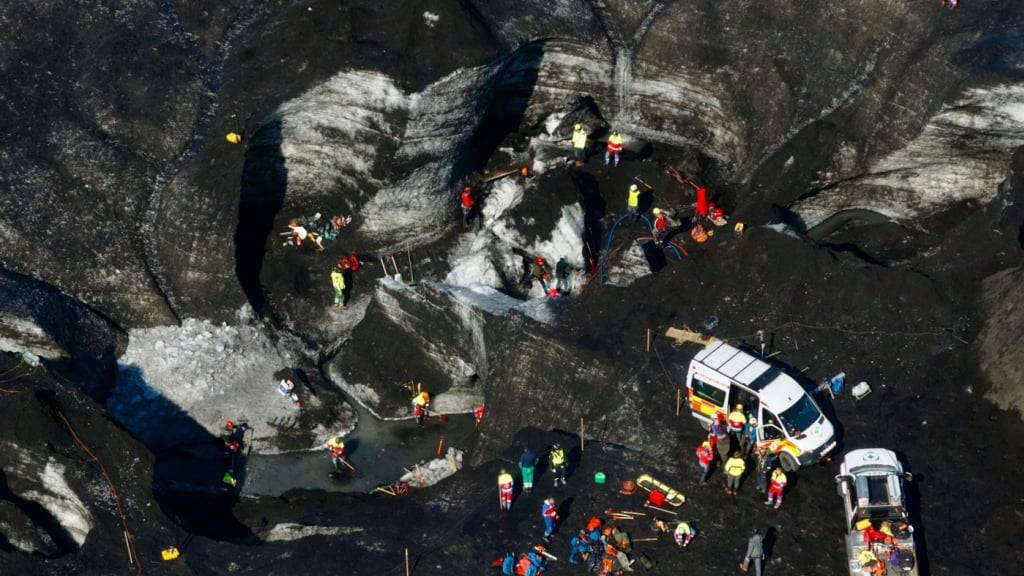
pixel 378 449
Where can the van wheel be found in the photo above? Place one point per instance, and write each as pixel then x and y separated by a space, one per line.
pixel 789 464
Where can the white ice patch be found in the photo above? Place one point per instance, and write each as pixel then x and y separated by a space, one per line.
pixel 431 19
pixel 782 229
pixel 288 531
pixel 61 501
pixel 331 134
pixel 962 154
pixel 207 373
pixel 630 265
pixel 442 119
pixel 359 134
pixel 499 304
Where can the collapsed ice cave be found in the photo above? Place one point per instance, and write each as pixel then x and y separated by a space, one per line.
pixel 873 151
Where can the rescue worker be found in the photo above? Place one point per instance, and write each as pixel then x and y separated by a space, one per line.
pixel 765 461
pixel 749 438
pixel 297 233
pixel 579 144
pixel 332 228
pixel 234 436
pixel 468 205
pixel 870 563
pixel 737 423
pixel 618 538
pixel 624 562
pixel 539 272
pixel 683 534
pixel 719 435
pixel 776 488
pixel 340 288
pixel 351 263
pixel 557 464
pixel 286 388
pixel 614 150
pixel 527 462
pixel 336 447
pixel 706 458
pixel 755 553
pixel 505 485
pixel 633 201
pixel 420 404
pixel 535 566
pixel 549 512
pixel 229 482
pixel 579 548
pixel 660 224
pixel 735 466
pixel 874 536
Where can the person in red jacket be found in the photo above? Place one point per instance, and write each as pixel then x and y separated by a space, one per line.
pixel 705 457
pixel 468 205
pixel 660 223
pixel 549 512
pixel 614 150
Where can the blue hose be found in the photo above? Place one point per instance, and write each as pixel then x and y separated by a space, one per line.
pixel 611 238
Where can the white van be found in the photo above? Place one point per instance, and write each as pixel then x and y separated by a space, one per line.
pixel 790 423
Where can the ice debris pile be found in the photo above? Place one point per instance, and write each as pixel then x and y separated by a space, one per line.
pixel 429 473
pixel 174 382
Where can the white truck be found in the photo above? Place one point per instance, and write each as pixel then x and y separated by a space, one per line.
pixel 879 537
pixel 791 424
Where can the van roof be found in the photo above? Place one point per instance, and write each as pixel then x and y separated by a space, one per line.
pixel 738 365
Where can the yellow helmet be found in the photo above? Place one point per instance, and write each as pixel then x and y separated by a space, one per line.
pixel 578 127
pixel 739 407
pixel 656 211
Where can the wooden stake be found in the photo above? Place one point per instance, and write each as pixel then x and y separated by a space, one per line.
pixel 384 266
pixel 412 275
pixel 644 539
pixel 581 434
pixel 679 399
pixel 406 562
pixel 661 509
pixel 440 445
pixel 647 346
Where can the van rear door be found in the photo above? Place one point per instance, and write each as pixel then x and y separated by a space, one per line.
pixel 706 399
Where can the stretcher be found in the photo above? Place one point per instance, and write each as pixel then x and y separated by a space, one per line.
pixel 673 497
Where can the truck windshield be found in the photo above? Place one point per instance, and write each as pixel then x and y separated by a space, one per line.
pixel 799 417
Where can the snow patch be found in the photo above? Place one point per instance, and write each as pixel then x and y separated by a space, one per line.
pixel 61 501
pixel 289 531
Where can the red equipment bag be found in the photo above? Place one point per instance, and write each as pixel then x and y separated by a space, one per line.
pixel 656 498
pixel 594 524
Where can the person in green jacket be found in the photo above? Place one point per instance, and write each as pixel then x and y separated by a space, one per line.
pixel 340 288
pixel 229 481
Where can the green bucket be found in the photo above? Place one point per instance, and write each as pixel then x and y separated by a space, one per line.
pixel 599 478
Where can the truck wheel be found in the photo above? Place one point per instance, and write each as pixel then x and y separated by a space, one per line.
pixel 789 463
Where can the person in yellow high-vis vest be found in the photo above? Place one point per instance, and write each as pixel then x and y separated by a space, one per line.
pixel 735 466
pixel 633 201
pixel 338 283
pixel 579 144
